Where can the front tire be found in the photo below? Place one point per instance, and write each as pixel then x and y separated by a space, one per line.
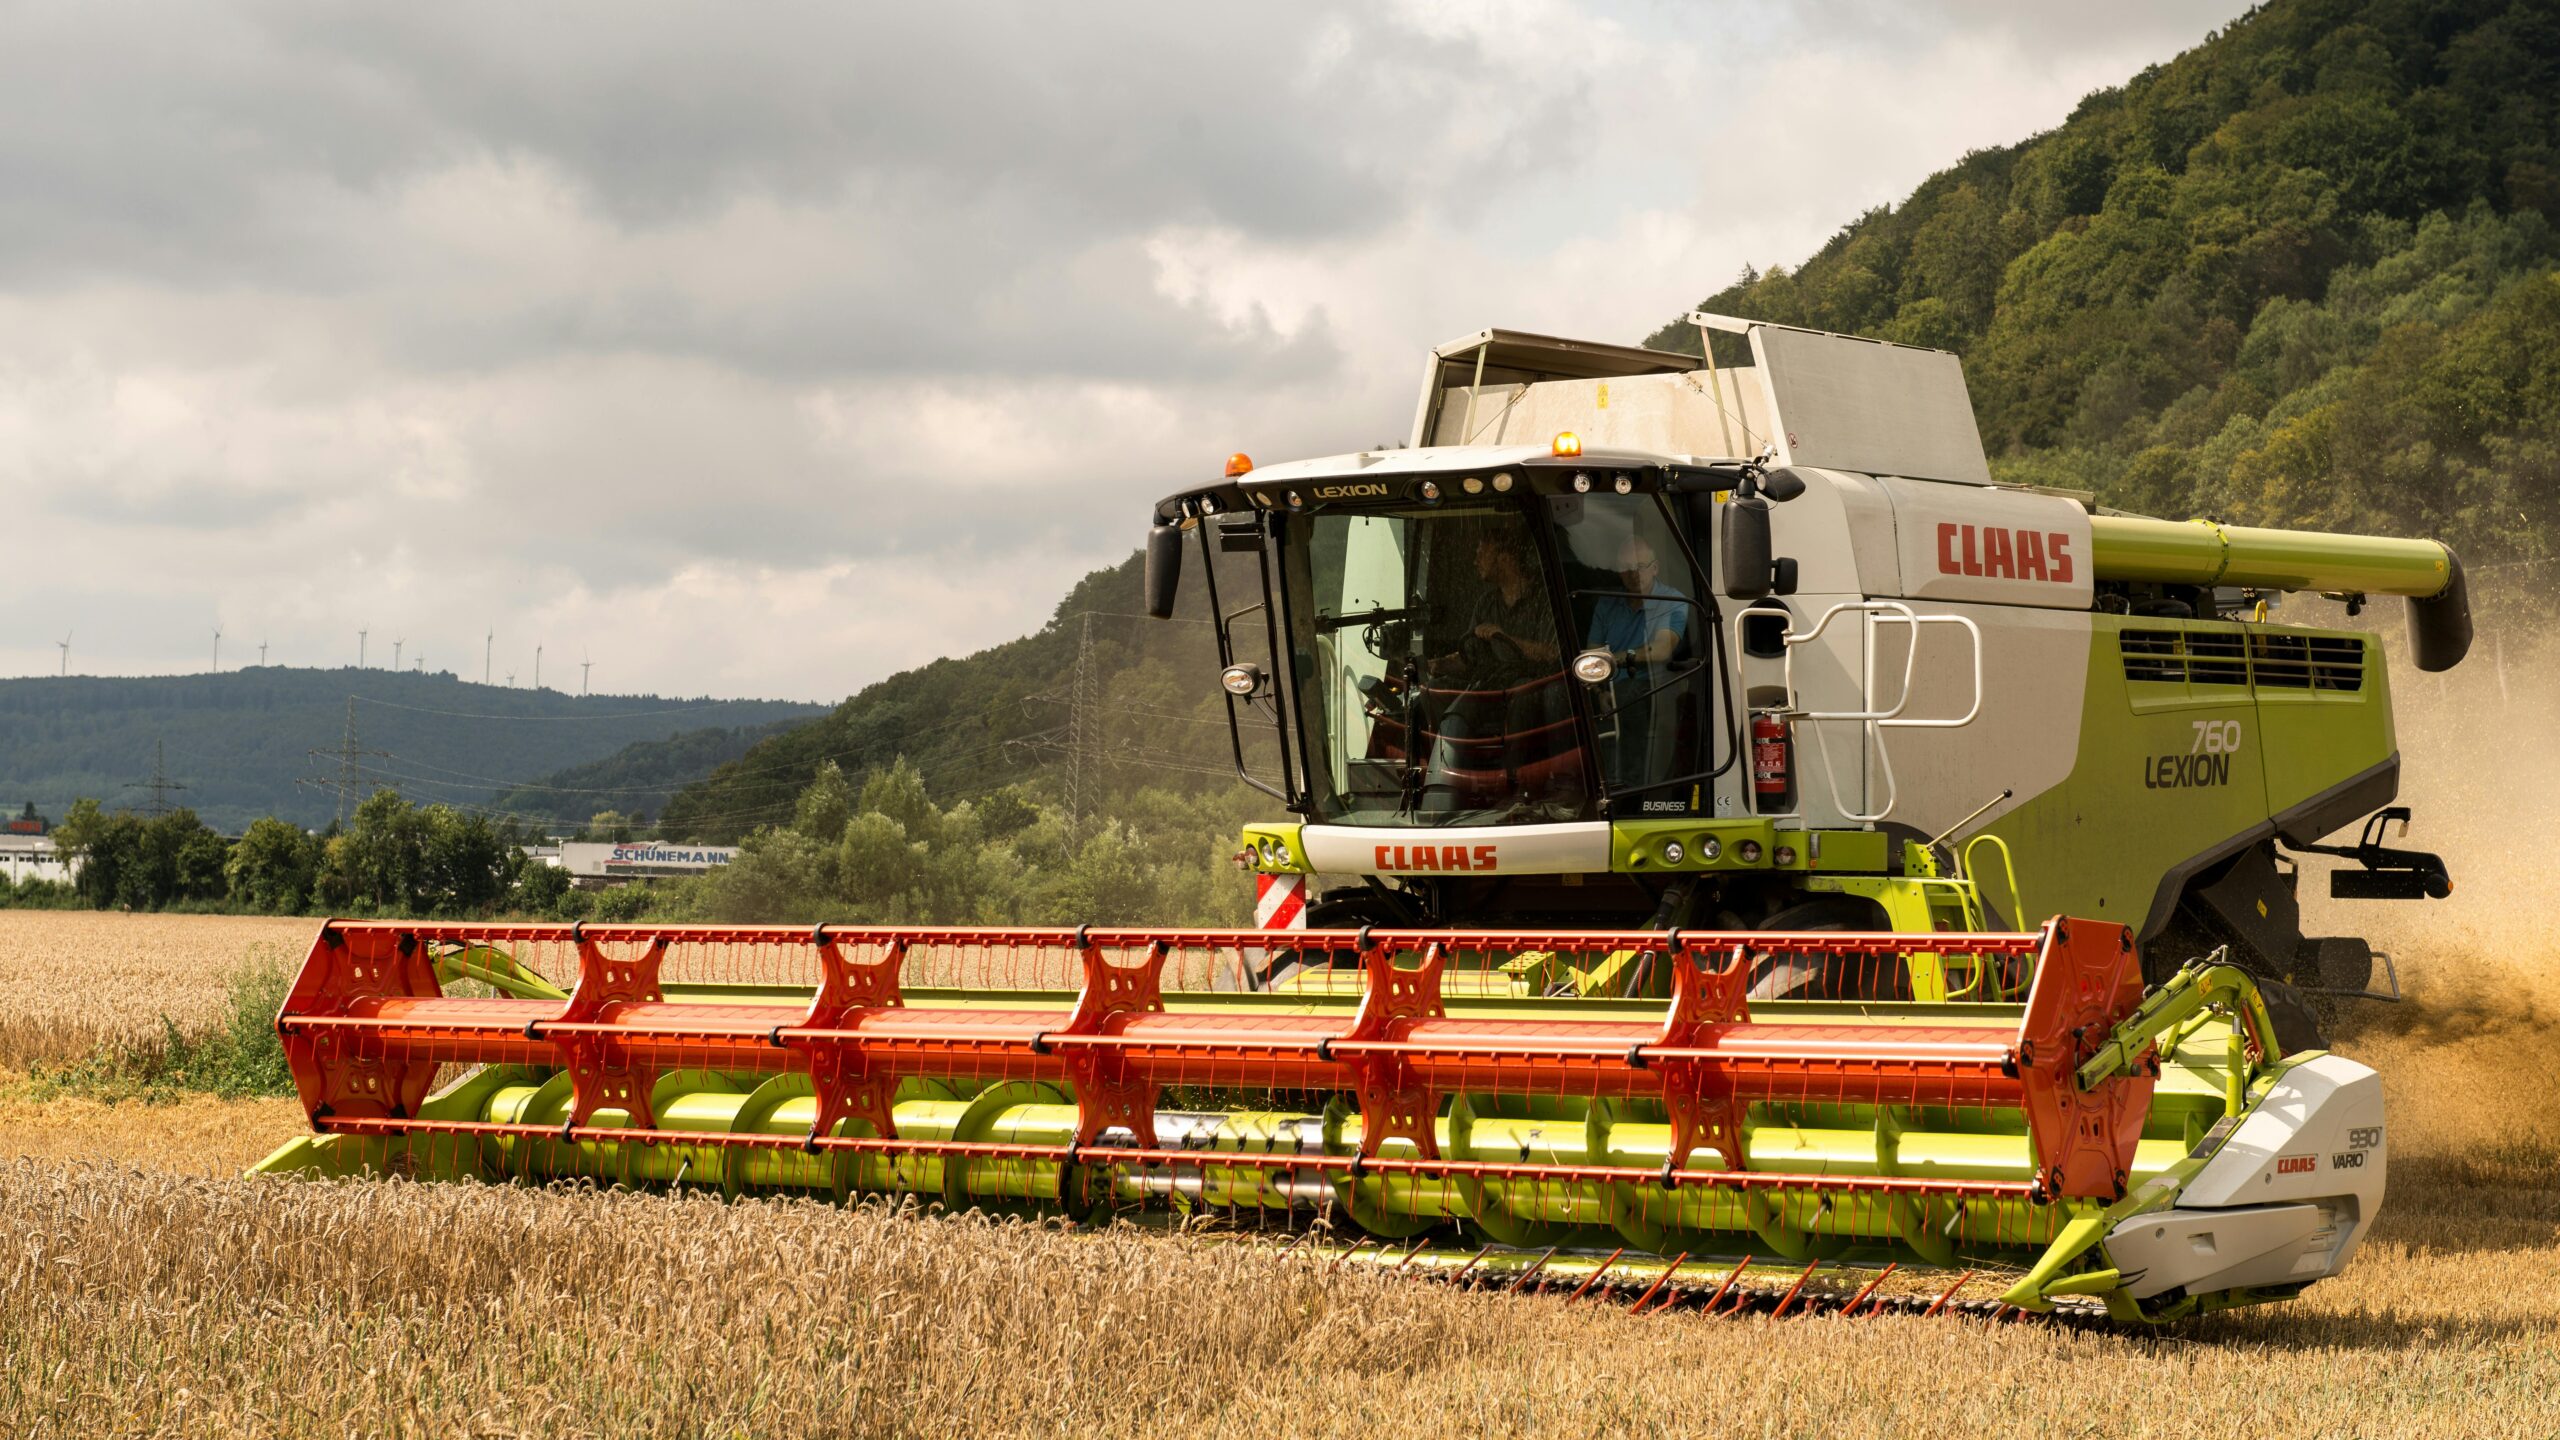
pixel 1783 974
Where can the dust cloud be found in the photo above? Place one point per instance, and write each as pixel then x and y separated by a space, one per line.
pixel 2471 1057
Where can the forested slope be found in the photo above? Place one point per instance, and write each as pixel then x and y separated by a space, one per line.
pixel 2302 274
pixel 637 780
pixel 1153 716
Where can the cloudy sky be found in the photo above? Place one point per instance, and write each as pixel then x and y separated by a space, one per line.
pixel 768 350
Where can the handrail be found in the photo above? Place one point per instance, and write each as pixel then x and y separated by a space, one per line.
pixel 1871 721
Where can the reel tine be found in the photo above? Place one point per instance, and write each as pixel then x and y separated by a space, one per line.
pixel 1793 1291
pixel 1941 1302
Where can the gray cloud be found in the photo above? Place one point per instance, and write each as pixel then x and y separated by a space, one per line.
pixel 765 350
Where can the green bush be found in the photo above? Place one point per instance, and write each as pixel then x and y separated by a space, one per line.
pixel 34 894
pixel 624 903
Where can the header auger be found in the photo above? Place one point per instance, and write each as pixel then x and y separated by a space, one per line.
pixel 1409 1088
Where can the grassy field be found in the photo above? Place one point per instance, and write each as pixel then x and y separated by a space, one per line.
pixel 145 1290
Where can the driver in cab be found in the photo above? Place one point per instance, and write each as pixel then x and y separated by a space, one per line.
pixel 1510 634
pixel 1494 719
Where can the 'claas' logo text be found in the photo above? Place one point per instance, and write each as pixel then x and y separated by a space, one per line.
pixel 1436 857
pixel 2003 553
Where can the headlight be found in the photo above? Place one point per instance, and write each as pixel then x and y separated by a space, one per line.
pixel 1241 681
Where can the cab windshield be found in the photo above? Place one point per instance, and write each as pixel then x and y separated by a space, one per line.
pixel 1432 681
pixel 1434 686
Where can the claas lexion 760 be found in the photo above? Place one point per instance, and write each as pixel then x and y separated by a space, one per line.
pixel 1735 848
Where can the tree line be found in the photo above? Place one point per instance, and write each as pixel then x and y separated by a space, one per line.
pixel 395 858
pixel 875 848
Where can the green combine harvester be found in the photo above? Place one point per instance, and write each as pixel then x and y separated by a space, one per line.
pixel 1683 760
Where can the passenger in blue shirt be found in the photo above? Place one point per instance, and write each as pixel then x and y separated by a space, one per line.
pixel 1641 635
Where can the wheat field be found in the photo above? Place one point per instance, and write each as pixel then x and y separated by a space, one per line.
pixel 145 1289
pixel 74 979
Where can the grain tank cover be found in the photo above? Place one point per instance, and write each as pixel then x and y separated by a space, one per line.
pixel 1810 398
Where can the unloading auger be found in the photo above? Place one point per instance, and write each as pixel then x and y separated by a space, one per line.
pixel 1465 1099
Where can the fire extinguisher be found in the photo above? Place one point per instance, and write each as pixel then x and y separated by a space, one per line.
pixel 1772 763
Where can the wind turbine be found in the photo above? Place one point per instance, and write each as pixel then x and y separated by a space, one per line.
pixel 64 645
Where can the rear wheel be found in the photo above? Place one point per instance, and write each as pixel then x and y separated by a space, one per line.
pixel 2299 1019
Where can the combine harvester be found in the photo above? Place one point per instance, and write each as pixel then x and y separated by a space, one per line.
pixel 1695 779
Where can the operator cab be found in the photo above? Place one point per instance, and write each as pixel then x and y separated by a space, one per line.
pixel 1514 620
pixel 1490 635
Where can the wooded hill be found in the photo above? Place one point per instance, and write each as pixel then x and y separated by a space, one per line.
pixel 2302 274
pixel 638 780
pixel 242 742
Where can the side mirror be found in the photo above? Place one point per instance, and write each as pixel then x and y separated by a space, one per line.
pixel 1746 548
pixel 1164 569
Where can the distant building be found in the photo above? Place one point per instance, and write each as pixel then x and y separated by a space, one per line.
pixel 32 857
pixel 593 864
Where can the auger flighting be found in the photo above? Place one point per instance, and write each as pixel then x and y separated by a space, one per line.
pixel 1744 836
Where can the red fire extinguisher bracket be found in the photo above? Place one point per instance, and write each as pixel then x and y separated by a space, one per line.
pixel 1773 785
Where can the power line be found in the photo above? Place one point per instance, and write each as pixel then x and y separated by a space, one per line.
pixel 698 707
pixel 351 772
pixel 160 785
pixel 1079 699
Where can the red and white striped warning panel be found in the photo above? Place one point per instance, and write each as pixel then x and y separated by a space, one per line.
pixel 1280 902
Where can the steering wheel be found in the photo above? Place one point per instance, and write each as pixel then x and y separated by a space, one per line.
pixel 1485 652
